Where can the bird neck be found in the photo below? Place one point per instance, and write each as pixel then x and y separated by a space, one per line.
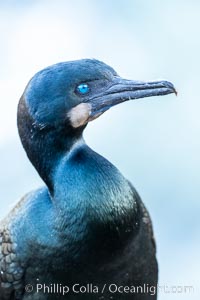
pixel 86 181
pixel 45 146
pixel 84 186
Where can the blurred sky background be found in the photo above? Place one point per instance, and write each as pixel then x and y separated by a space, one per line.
pixel 155 142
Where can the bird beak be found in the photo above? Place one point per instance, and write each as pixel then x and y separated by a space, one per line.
pixel 120 90
pixel 123 90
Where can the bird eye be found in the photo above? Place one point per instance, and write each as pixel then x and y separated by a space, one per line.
pixel 82 88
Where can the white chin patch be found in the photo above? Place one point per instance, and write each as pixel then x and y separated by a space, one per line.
pixel 79 115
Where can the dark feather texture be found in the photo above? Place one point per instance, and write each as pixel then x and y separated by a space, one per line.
pixel 87 225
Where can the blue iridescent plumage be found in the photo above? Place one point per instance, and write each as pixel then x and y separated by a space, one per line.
pixel 87 224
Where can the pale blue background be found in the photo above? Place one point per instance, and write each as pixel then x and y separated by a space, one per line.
pixel 155 142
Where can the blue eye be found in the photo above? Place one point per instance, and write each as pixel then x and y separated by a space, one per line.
pixel 83 88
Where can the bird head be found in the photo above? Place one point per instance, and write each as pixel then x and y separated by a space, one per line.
pixel 77 92
pixel 60 100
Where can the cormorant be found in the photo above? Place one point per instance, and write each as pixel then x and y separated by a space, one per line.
pixel 86 233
